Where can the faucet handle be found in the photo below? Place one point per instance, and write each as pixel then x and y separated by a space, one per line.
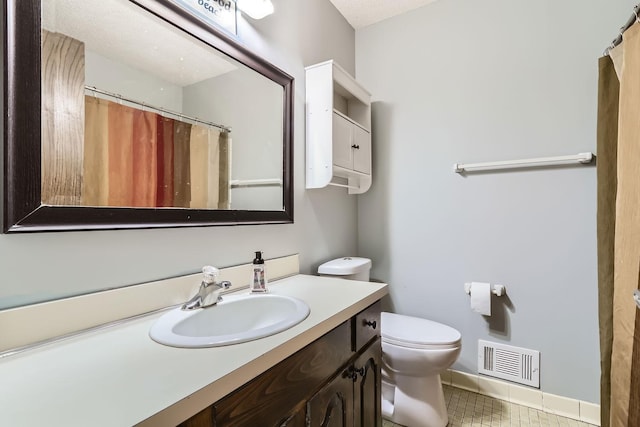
pixel 210 274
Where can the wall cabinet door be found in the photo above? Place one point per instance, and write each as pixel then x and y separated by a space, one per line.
pixel 361 145
pixel 351 145
pixel 332 406
pixel 342 151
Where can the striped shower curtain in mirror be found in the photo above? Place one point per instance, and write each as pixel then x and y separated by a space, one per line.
pixel 619 231
pixel 97 152
pixel 138 158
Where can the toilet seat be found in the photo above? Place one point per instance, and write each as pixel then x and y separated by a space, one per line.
pixel 418 333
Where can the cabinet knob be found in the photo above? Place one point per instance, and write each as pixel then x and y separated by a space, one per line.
pixel 357 147
pixel 371 323
pixel 352 373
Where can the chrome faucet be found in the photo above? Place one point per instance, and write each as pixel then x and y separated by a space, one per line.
pixel 209 291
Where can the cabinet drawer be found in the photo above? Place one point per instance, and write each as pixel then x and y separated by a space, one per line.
pixel 366 325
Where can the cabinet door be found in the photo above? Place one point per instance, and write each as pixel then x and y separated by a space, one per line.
pixel 367 394
pixel 342 151
pixel 332 406
pixel 361 143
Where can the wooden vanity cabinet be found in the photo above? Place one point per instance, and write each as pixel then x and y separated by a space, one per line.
pixel 334 381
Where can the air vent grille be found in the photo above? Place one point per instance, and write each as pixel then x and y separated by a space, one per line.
pixel 511 363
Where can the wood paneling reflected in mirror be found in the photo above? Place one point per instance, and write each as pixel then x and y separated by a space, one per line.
pixel 165 136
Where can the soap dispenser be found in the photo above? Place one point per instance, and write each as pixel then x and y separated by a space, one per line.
pixel 258 279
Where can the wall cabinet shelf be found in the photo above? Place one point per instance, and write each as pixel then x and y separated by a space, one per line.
pixel 338 113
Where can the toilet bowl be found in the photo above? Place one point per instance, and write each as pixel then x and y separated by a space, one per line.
pixel 414 353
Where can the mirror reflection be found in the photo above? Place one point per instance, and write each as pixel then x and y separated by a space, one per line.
pixel 136 113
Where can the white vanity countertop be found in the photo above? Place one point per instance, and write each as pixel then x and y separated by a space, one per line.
pixel 118 376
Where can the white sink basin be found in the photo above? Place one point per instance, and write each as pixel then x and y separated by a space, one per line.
pixel 236 319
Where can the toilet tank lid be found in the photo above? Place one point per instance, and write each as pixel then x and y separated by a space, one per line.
pixel 345 266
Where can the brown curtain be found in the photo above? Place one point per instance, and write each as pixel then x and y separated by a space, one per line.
pixel 62 119
pixel 619 235
pixel 608 91
pixel 164 196
pixel 145 158
pixel 224 169
pixel 616 56
pixel 199 161
pixel 181 167
pixel 213 169
pixel 138 158
pixel 120 155
pixel 95 191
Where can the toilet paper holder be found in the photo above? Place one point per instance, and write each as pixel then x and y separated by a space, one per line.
pixel 497 290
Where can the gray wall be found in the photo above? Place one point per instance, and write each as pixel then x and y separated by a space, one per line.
pixel 42 266
pixel 467 81
pixel 245 101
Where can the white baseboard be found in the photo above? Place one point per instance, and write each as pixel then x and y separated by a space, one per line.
pixel 526 396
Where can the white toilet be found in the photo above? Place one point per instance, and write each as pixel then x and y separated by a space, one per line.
pixel 414 352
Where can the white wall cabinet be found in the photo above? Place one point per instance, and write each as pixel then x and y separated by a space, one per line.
pixel 338 129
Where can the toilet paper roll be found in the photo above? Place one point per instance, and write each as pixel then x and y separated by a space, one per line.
pixel 481 298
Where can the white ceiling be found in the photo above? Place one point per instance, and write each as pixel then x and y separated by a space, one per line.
pixel 360 13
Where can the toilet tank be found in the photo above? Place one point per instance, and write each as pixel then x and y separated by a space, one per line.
pixel 350 268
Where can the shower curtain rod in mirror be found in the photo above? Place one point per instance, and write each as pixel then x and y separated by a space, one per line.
pixel 95 90
pixel 635 17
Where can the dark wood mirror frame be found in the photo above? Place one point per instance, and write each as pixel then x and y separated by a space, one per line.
pixel 23 209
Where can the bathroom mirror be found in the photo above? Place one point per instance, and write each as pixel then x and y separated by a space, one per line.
pixel 137 114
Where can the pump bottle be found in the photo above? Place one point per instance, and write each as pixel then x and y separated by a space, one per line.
pixel 258 279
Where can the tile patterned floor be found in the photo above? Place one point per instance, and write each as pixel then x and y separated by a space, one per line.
pixel 467 409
